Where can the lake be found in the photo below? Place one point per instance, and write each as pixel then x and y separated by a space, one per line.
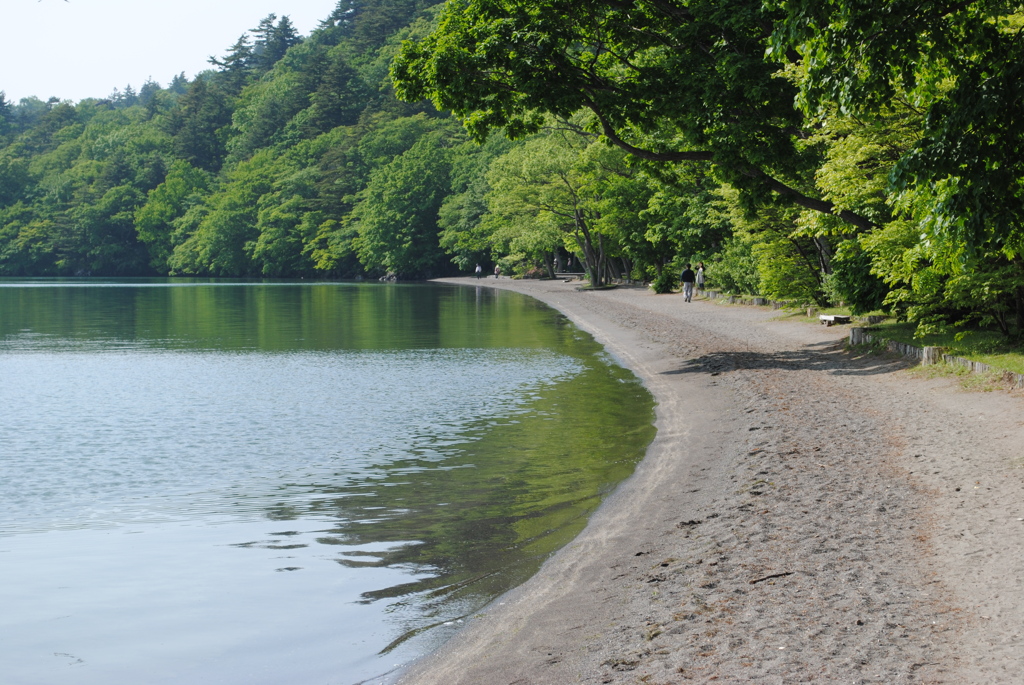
pixel 285 482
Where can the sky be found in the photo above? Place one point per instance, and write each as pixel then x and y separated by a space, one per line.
pixel 86 48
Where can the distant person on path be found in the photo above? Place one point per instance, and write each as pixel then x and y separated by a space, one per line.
pixel 497 271
pixel 700 278
pixel 687 279
pixel 479 271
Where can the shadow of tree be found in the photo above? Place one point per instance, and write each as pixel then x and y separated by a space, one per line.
pixel 831 357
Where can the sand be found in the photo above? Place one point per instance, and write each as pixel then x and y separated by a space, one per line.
pixel 805 514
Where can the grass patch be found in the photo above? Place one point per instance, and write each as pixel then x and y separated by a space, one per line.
pixel 610 286
pixel 987 347
pixel 977 382
pixel 800 314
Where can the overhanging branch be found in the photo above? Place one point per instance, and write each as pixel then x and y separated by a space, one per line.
pixel 774 184
pixel 814 203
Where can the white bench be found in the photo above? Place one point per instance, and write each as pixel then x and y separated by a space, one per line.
pixel 833 319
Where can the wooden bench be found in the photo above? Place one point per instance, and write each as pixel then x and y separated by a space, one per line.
pixel 832 319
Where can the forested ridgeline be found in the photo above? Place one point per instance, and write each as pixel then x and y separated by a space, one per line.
pixel 823 152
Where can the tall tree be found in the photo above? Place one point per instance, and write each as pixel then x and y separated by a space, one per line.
pixel 396 219
pixel 272 41
pixel 237 66
pixel 155 220
pixel 670 81
pixel 6 115
pixel 552 192
pixel 198 125
pixel 961 66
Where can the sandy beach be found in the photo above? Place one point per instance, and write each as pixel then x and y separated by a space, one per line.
pixel 805 514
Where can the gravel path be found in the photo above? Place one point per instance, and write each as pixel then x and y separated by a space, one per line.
pixel 804 515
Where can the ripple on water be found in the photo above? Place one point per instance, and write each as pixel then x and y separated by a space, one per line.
pixel 103 438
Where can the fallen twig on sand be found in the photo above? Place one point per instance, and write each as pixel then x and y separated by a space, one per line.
pixel 774 575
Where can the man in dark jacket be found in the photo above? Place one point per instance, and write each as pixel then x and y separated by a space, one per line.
pixel 687 279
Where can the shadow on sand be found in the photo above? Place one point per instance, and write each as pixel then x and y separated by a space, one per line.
pixel 831 357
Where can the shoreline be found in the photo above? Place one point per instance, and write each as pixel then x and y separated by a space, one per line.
pixel 777 529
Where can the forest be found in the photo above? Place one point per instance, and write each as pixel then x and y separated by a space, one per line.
pixel 870 154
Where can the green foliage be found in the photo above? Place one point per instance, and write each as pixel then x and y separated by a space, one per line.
pixel 852 282
pixel 734 269
pixel 464 235
pixel 396 219
pixel 156 221
pixel 864 153
pixel 665 82
pixel 938 288
pixel 143 182
pixel 14 179
pixel 665 282
pixel 789 264
pixel 555 191
pixel 198 125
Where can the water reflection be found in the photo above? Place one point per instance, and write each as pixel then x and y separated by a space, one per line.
pixel 342 470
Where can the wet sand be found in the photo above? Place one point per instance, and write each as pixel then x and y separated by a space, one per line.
pixel 805 514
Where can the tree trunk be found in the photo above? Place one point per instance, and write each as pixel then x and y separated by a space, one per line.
pixel 824 254
pixel 549 264
pixel 594 256
pixel 1018 298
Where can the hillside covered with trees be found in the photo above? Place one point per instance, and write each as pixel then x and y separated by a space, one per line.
pixel 820 152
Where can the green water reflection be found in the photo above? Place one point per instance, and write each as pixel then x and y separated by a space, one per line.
pixel 273 316
pixel 467 509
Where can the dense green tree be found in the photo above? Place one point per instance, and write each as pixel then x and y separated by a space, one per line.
pixel 183 187
pixel 667 81
pixel 340 96
pixel 960 66
pixel 685 218
pixel 265 110
pixel 273 38
pixel 463 234
pixel 179 84
pixel 43 128
pixel 223 241
pixel 549 193
pixel 396 218
pixel 237 67
pixel 366 25
pixel 6 117
pixel 14 179
pixel 199 124
pixel 109 244
pixel 26 243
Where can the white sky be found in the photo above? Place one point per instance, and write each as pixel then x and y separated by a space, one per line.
pixel 86 48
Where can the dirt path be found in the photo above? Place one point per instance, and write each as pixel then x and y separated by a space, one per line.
pixel 803 515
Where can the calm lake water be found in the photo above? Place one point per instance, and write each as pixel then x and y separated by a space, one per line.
pixel 274 483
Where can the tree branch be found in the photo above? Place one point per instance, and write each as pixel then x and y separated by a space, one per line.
pixel 774 184
pixel 610 134
pixel 807 202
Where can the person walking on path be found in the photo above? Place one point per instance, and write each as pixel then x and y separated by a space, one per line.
pixel 479 271
pixel 497 271
pixel 687 279
pixel 700 278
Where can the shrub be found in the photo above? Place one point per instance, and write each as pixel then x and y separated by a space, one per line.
pixel 664 282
